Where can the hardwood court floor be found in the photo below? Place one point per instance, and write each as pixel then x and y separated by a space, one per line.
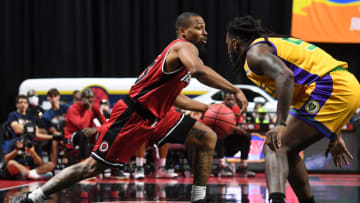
pixel 325 187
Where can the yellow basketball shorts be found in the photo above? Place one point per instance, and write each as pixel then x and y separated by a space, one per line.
pixel 328 103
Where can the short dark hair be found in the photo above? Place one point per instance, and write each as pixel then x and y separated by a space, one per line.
pixel 86 92
pixel 183 19
pixel 53 92
pixel 21 96
pixel 75 91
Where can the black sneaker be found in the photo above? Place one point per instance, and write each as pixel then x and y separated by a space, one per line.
pixel 23 198
pixel 118 173
pixel 200 201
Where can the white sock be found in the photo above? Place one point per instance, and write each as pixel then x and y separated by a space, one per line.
pixel 37 195
pixel 139 161
pixel 33 174
pixel 198 192
pixel 162 162
pixel 221 162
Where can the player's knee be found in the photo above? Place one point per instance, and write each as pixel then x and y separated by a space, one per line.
pixel 51 166
pixel 211 139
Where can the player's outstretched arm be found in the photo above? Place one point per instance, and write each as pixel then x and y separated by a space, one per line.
pixel 189 56
pixel 184 102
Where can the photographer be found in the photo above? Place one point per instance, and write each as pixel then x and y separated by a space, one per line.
pixel 21 160
pixel 19 118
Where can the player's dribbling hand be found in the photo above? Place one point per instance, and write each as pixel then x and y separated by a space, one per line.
pixel 241 101
pixel 339 152
pixel 273 137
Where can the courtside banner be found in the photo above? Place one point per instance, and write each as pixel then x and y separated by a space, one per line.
pixel 329 21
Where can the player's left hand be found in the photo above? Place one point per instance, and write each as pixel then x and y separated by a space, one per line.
pixel 339 152
pixel 273 137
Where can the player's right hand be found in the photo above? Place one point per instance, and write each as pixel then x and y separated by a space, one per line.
pixel 339 152
pixel 273 137
pixel 241 101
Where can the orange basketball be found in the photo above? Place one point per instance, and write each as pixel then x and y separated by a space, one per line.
pixel 221 119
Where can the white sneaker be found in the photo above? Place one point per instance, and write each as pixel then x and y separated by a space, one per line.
pixel 224 172
pixel 139 173
pixel 163 173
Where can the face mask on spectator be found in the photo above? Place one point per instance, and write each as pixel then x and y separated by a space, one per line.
pixel 34 100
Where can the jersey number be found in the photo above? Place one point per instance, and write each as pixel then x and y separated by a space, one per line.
pixel 298 42
pixel 144 73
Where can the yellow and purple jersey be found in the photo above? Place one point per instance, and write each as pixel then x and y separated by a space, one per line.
pixel 324 90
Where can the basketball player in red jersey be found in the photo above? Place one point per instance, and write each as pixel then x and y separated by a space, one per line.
pixel 146 115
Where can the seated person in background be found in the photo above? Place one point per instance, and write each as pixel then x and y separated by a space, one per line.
pixel 240 140
pixel 259 102
pixel 80 129
pixel 23 161
pixel 20 123
pixel 105 108
pixel 35 109
pixel 261 119
pixel 160 163
pixel 54 121
pixel 76 97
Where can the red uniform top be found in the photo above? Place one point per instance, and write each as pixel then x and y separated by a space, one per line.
pixel 78 118
pixel 157 90
pixel 239 117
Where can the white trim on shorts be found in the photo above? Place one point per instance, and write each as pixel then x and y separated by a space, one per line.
pixel 104 161
pixel 171 130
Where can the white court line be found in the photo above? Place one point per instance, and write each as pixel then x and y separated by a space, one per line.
pixel 9 188
pixel 144 201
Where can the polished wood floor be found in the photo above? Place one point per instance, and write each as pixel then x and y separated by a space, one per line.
pixel 325 187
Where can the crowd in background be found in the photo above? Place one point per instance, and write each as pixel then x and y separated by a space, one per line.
pixel 37 143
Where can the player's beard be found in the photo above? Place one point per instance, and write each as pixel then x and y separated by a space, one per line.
pixel 235 58
pixel 202 50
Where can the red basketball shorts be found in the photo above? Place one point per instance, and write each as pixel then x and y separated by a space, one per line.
pixel 127 129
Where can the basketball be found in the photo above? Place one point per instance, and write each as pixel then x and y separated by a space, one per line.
pixel 221 119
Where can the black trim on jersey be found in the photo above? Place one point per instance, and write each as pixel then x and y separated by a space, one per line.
pixel 163 79
pixel 139 109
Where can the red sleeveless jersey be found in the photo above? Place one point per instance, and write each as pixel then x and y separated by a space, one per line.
pixel 157 90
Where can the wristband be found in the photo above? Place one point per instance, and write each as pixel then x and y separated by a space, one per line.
pixel 281 123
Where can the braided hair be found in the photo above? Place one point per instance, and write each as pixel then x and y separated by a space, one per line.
pixel 245 30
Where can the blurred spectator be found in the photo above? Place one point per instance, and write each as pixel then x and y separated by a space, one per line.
pixel 105 108
pixel 34 107
pixel 259 102
pixel 80 128
pixel 21 116
pixel 22 160
pixel 76 96
pixel 240 140
pixel 23 127
pixel 261 119
pixel 54 121
pixel 160 163
pixel 54 118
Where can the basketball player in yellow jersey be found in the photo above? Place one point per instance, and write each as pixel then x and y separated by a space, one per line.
pixel 316 95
